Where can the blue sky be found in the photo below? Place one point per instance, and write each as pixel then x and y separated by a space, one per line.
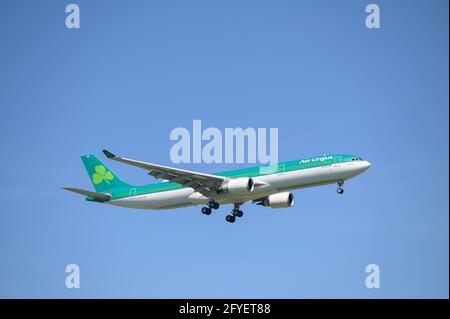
pixel 135 71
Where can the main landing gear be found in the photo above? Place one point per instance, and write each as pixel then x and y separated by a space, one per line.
pixel 211 206
pixel 340 190
pixel 236 212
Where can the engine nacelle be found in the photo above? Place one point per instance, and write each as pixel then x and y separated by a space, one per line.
pixel 280 200
pixel 238 185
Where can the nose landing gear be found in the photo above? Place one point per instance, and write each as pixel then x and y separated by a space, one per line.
pixel 340 189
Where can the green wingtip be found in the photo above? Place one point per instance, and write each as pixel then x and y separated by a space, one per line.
pixel 108 154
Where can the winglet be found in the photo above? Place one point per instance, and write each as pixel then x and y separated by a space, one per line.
pixel 108 154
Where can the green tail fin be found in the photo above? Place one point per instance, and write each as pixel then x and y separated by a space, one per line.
pixel 101 176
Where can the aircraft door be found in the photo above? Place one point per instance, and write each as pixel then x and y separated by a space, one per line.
pixel 337 161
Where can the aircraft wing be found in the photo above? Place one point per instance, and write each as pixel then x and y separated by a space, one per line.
pixel 200 182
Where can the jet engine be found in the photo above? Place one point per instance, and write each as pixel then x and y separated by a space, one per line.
pixel 238 185
pixel 279 200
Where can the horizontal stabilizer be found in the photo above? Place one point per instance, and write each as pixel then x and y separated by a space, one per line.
pixel 95 196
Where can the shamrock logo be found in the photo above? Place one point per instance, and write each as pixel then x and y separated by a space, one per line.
pixel 101 174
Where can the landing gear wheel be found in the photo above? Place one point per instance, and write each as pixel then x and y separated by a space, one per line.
pixel 230 218
pixel 213 205
pixel 206 210
pixel 237 213
pixel 340 190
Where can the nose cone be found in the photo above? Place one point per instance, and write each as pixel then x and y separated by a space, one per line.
pixel 366 165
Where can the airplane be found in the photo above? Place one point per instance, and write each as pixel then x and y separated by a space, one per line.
pixel 262 185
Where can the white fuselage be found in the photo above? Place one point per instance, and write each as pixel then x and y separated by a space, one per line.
pixel 266 185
